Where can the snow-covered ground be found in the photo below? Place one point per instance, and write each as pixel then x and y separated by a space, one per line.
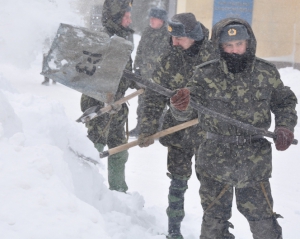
pixel 47 192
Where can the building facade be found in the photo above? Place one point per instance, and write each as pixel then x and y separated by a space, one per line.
pixel 276 24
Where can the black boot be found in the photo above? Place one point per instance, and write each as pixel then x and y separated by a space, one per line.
pixel 175 211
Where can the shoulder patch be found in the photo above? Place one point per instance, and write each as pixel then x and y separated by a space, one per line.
pixel 207 63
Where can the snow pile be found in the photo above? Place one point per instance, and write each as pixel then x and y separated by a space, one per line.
pixel 49 192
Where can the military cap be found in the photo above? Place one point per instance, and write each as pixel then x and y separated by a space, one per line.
pixel 158 13
pixel 234 32
pixel 185 25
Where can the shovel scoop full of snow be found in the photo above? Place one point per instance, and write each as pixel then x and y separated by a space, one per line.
pixel 87 61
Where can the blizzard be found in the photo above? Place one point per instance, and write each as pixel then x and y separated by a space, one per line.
pixel 49 191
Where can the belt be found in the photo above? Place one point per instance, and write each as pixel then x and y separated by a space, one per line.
pixel 233 139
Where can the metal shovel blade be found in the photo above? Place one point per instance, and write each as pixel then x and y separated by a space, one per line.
pixel 87 61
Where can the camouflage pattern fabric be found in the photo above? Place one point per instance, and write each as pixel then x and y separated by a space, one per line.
pixel 249 96
pixel 112 14
pixel 175 210
pixel 152 44
pixel 109 129
pixel 251 202
pixel 175 67
pixel 173 71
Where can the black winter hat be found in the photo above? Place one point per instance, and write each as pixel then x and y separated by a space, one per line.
pixel 234 32
pixel 158 13
pixel 185 25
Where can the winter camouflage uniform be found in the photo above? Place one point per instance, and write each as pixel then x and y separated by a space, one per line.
pixel 174 69
pixel 248 96
pixel 108 129
pixel 152 44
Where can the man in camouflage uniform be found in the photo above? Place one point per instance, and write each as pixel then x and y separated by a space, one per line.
pixel 154 41
pixel 246 88
pixel 190 48
pixel 108 129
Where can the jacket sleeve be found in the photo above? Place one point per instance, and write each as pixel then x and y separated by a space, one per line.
pixel 154 103
pixel 138 61
pixel 283 104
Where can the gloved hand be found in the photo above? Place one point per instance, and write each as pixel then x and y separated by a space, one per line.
pixel 145 141
pixel 284 138
pixel 114 109
pixel 181 99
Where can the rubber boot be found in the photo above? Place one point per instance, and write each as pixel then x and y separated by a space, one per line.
pixel 46 81
pixel 116 171
pixel 266 229
pixel 213 228
pixel 175 211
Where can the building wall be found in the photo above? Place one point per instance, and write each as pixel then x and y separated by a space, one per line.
pixel 276 25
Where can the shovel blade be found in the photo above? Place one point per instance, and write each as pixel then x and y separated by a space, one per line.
pixel 87 61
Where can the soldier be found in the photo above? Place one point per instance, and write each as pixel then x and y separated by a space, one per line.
pixel 190 47
pixel 108 129
pixel 154 41
pixel 248 89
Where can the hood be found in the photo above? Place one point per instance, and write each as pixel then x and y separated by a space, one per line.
pixel 217 28
pixel 114 10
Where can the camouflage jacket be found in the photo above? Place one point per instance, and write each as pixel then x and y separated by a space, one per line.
pixel 111 19
pixel 175 67
pixel 249 96
pixel 152 44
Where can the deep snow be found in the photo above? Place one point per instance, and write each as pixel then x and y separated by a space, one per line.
pixel 46 191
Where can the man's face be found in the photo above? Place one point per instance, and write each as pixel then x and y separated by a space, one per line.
pixel 183 42
pixel 126 20
pixel 238 47
pixel 156 23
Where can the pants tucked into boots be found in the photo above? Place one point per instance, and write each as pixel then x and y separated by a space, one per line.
pixel 116 169
pixel 175 211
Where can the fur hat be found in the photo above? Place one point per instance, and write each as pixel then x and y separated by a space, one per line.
pixel 234 32
pixel 185 25
pixel 158 13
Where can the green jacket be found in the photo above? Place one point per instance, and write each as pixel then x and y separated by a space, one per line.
pixel 100 127
pixel 175 67
pixel 249 96
pixel 152 44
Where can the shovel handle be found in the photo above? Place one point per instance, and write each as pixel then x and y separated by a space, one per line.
pixel 154 136
pixel 122 100
pixel 94 112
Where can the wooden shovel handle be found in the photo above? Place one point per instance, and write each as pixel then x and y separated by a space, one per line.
pixel 122 100
pixel 154 136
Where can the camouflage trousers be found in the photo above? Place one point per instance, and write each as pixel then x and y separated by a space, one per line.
pixel 180 168
pixel 251 201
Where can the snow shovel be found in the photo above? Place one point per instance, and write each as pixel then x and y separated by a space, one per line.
pixel 87 61
pixel 164 91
